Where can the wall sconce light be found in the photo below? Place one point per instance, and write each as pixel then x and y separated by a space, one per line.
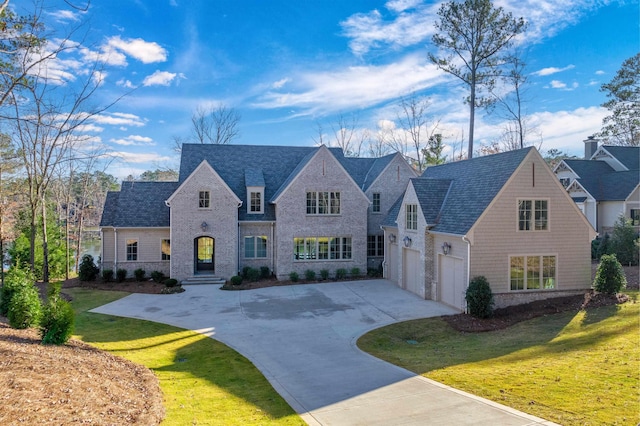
pixel 204 226
pixel 407 241
pixel 446 248
pixel 392 238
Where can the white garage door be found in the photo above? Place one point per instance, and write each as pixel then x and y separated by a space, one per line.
pixel 451 283
pixel 411 272
pixel 392 263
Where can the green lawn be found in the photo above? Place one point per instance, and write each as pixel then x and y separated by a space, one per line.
pixel 573 369
pixel 203 381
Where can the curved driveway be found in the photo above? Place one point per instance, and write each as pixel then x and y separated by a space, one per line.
pixel 302 338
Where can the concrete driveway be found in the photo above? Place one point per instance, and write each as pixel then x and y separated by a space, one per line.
pixel 303 339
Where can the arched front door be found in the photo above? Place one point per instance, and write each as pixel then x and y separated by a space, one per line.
pixel 204 249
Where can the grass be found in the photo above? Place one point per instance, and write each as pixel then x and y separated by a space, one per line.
pixel 203 381
pixel 571 368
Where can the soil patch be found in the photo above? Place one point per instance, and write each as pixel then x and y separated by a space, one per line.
pixel 72 384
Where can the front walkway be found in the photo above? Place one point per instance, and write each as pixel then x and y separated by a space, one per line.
pixel 303 339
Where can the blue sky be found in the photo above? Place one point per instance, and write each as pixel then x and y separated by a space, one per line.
pixel 286 66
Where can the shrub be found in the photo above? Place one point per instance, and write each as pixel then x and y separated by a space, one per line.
pixel 171 282
pixel 236 280
pixel 245 271
pixel 374 272
pixel 310 275
pixel 121 275
pixel 604 247
pixel 139 274
pixel 341 273
pixel 479 298
pixel 293 276
pixel 355 272
pixel 88 271
pixel 265 272
pixel 595 244
pixel 623 241
pixel 172 290
pixel 107 275
pixel 57 321
pixel 253 274
pixel 610 277
pixel 25 308
pixel 15 279
pixel 158 276
pixel 324 274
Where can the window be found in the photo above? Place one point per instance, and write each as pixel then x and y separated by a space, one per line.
pixel 375 245
pixel 321 248
pixel 635 217
pixel 532 272
pixel 533 215
pixel 411 211
pixel 166 249
pixel 132 249
pixel 204 200
pixel 376 202
pixel 565 182
pixel 255 202
pixel 255 247
pixel 323 203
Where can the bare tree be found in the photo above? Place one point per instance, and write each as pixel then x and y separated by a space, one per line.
pixel 346 135
pixel 215 125
pixel 9 166
pixel 416 128
pixel 474 32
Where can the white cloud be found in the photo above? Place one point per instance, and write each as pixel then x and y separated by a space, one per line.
pixel 278 84
pixel 106 54
pixel 557 84
pixel 85 128
pixel 125 83
pixel 119 119
pixel 64 16
pixel 552 70
pixel 354 87
pixel 402 5
pixel 138 158
pixel 159 78
pixel 133 140
pixel 600 72
pixel 144 51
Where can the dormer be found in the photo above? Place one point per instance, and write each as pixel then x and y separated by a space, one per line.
pixel 603 155
pixel 254 182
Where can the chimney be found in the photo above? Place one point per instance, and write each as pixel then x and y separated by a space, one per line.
pixel 590 147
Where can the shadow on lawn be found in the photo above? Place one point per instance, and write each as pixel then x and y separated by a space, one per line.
pixel 181 356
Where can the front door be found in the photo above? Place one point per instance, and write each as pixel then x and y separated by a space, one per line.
pixel 204 249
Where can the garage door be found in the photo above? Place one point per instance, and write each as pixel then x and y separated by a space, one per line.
pixel 451 282
pixel 392 262
pixel 411 272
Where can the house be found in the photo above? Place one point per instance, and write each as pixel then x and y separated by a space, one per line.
pixel 504 216
pixel 290 209
pixel 605 185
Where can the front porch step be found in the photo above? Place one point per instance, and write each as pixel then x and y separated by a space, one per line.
pixel 203 279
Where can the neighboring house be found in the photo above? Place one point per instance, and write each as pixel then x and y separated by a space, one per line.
pixel 290 209
pixel 503 216
pixel 605 185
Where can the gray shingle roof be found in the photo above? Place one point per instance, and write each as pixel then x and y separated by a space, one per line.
pixel 432 195
pixel 253 177
pixel 473 185
pixel 138 204
pixel 602 181
pixel 627 155
pixel 364 171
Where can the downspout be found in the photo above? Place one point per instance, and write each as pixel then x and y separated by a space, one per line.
pixel 272 247
pixel 466 240
pixel 115 249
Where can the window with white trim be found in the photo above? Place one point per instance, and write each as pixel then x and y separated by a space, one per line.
pixel 321 248
pixel 165 248
pixel 204 199
pixel 375 245
pixel 533 215
pixel 635 217
pixel 532 272
pixel 255 247
pixel 411 217
pixel 376 203
pixel 255 202
pixel 132 250
pixel 323 203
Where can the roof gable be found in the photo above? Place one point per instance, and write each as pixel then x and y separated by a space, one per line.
pixel 138 204
pixel 204 165
pixel 474 184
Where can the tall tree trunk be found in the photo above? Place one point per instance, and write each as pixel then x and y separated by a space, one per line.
pixel 45 246
pixel 472 116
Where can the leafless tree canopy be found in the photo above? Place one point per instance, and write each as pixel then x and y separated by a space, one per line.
pixel 215 125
